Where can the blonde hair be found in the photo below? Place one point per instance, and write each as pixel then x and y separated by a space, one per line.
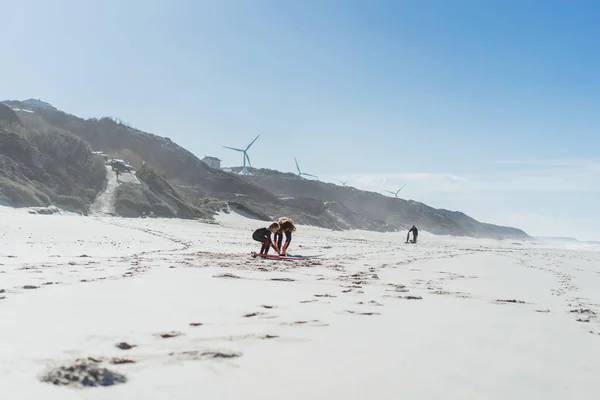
pixel 286 224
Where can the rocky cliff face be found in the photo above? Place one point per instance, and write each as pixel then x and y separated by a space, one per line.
pixel 39 170
pixel 20 160
pixel 8 116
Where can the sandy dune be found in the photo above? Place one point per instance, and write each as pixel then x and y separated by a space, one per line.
pixel 374 318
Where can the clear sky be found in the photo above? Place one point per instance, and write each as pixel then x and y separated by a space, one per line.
pixel 488 107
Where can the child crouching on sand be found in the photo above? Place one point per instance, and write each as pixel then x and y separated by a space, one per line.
pixel 263 235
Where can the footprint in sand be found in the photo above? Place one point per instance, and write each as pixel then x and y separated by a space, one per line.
pixel 513 301
pixel 196 355
pixel 253 314
pixel 404 297
pixel 371 303
pixel 119 361
pixel 227 275
pixel 237 337
pixel 169 335
pixel 460 295
pixel 314 322
pixel 362 313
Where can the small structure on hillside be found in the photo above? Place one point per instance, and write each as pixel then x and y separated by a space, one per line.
pixel 212 162
pixel 101 154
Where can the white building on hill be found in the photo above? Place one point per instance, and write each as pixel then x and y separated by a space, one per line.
pixel 212 162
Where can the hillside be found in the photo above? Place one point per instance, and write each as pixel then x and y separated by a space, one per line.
pixel 187 185
pixel 162 154
pixel 42 170
pixel 8 116
pixel 398 213
pixel 149 193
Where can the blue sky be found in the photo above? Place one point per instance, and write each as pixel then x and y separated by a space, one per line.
pixel 488 107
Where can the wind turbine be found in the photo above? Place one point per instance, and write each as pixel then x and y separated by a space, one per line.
pixel 396 193
pixel 300 173
pixel 341 183
pixel 245 156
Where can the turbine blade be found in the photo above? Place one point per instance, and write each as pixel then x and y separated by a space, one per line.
pixel 314 176
pixel 299 173
pixel 252 143
pixel 248 157
pixel 231 148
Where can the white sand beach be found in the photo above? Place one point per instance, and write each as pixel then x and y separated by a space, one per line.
pixel 373 318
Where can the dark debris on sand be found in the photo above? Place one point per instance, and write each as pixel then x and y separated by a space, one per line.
pixel 125 346
pixel 83 374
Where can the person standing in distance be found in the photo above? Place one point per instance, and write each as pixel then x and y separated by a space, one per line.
pixel 415 233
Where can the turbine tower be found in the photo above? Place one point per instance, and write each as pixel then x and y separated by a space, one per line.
pixel 381 185
pixel 300 173
pixel 396 193
pixel 245 156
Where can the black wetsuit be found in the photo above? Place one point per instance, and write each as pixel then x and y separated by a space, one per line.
pixel 415 233
pixel 279 238
pixel 263 235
